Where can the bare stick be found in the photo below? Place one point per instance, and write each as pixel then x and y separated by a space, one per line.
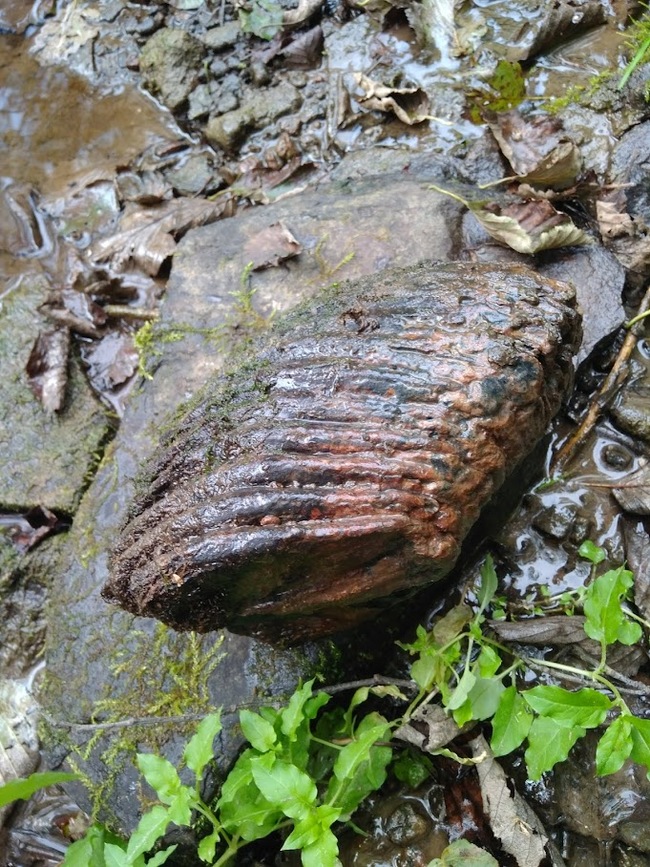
pixel 615 378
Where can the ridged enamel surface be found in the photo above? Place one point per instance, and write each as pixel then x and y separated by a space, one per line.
pixel 348 459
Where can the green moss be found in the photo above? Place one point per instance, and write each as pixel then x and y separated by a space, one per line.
pixel 158 689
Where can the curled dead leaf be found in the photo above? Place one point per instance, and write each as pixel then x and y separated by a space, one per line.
pixel 271 246
pixel 633 494
pixel 47 367
pixel 147 236
pixel 537 149
pixel 409 104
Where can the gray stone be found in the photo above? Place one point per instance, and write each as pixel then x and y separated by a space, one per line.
pixel 104 664
pixel 170 62
pixel 257 108
pixel 218 38
pixel 598 278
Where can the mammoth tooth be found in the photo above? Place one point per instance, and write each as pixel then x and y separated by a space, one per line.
pixel 349 459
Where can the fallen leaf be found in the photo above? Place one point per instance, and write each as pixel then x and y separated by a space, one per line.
pixel 637 551
pixel 146 237
pixel 271 246
pixel 429 729
pixel 305 50
pixel 409 104
pixel 633 494
pixel 562 629
pixel 613 220
pixel 529 227
pixel 521 833
pixel 537 150
pixel 111 361
pixel 47 367
pixel 27 530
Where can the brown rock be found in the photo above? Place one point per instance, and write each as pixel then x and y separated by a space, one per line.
pixel 373 425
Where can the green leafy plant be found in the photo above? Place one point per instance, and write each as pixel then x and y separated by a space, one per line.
pixel 477 678
pixel 638 42
pixel 308 765
pixel 289 779
pixel 24 787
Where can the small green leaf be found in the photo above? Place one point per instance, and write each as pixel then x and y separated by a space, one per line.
pixel 489 584
pixel 257 731
pixel 360 767
pixel 199 750
pixel 602 606
pixel 640 742
pixel 548 744
pixel 18 790
pixel 590 551
pixel 614 747
pixel 293 714
pixel 161 775
pixel 489 661
pixel 322 853
pixel 207 845
pixel 411 768
pixel 150 829
pixel 511 723
pixel 460 694
pixel 484 697
pixel 311 827
pixel 115 856
pixel 285 786
pixel 585 707
pixel 160 857
pixel 89 851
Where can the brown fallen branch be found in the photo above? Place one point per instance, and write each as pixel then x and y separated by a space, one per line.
pixel 615 378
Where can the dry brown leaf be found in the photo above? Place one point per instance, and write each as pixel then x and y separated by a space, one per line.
pixel 529 227
pixel 409 104
pixel 537 150
pixel 633 494
pixel 429 729
pixel 146 236
pixel 613 220
pixel 271 246
pixel 542 630
pixel 47 367
pixel 521 833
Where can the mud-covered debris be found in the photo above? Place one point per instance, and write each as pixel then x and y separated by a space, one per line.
pixel 147 236
pixel 271 246
pixel 77 312
pixel 409 104
pixel 537 149
pixel 111 361
pixel 347 463
pixel 47 367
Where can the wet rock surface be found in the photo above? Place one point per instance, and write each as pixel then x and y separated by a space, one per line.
pixel 348 459
pixel 91 643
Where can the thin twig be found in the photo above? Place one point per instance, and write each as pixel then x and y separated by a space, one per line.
pixel 615 378
pixel 268 701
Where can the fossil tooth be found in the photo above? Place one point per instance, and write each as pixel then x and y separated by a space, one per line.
pixel 347 461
